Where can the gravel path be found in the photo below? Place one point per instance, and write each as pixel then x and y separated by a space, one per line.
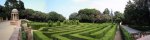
pixel 118 34
pixel 6 30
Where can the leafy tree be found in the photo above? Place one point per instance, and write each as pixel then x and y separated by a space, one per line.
pixel 1 11
pixel 58 23
pixel 137 13
pixel 118 16
pixel 27 13
pixel 11 4
pixel 88 15
pixel 73 16
pixel 106 11
pixel 50 23
pixel 54 16
pixel 106 18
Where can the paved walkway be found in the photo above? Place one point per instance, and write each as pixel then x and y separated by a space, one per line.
pixel 145 38
pixel 6 30
pixel 130 30
pixel 118 34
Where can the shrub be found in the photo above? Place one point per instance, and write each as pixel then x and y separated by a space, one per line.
pixel 38 26
pixel 126 34
pixel 50 23
pixel 44 29
pixel 58 23
pixel 71 22
pixel 24 37
pixel 77 21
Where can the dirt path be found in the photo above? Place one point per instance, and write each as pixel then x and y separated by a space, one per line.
pixel 118 34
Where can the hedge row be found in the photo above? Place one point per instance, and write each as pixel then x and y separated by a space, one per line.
pixel 110 34
pixel 126 34
pixel 36 27
pixel 38 35
pixel 71 22
pixel 101 33
pixel 73 32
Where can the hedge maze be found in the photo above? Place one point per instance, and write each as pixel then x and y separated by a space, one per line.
pixel 84 31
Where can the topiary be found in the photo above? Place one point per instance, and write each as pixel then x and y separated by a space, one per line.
pixel 50 23
pixel 58 23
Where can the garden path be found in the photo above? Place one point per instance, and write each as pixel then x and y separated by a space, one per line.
pixel 6 30
pixel 118 34
pixel 130 30
pixel 145 38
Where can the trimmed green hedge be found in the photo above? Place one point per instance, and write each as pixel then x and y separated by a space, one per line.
pixel 36 27
pixel 38 35
pixel 126 34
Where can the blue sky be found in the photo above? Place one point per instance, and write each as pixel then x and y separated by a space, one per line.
pixel 66 7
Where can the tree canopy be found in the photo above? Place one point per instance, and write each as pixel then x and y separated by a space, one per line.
pixel 106 11
pixel 137 13
pixel 29 14
pixel 11 4
pixel 73 16
pixel 118 16
pixel 88 15
pixel 91 15
pixel 41 16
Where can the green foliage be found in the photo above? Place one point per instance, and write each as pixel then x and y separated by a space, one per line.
pixel 11 4
pixel 44 29
pixel 2 11
pixel 36 15
pixel 58 23
pixel 84 31
pixel 71 31
pixel 71 22
pixel 50 23
pixel 137 13
pixel 91 15
pixel 77 22
pixel 106 11
pixel 24 35
pixel 38 25
pixel 118 17
pixel 126 34
pixel 73 16
pixel 88 15
pixel 54 16
pixel 38 35
pixel 106 17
